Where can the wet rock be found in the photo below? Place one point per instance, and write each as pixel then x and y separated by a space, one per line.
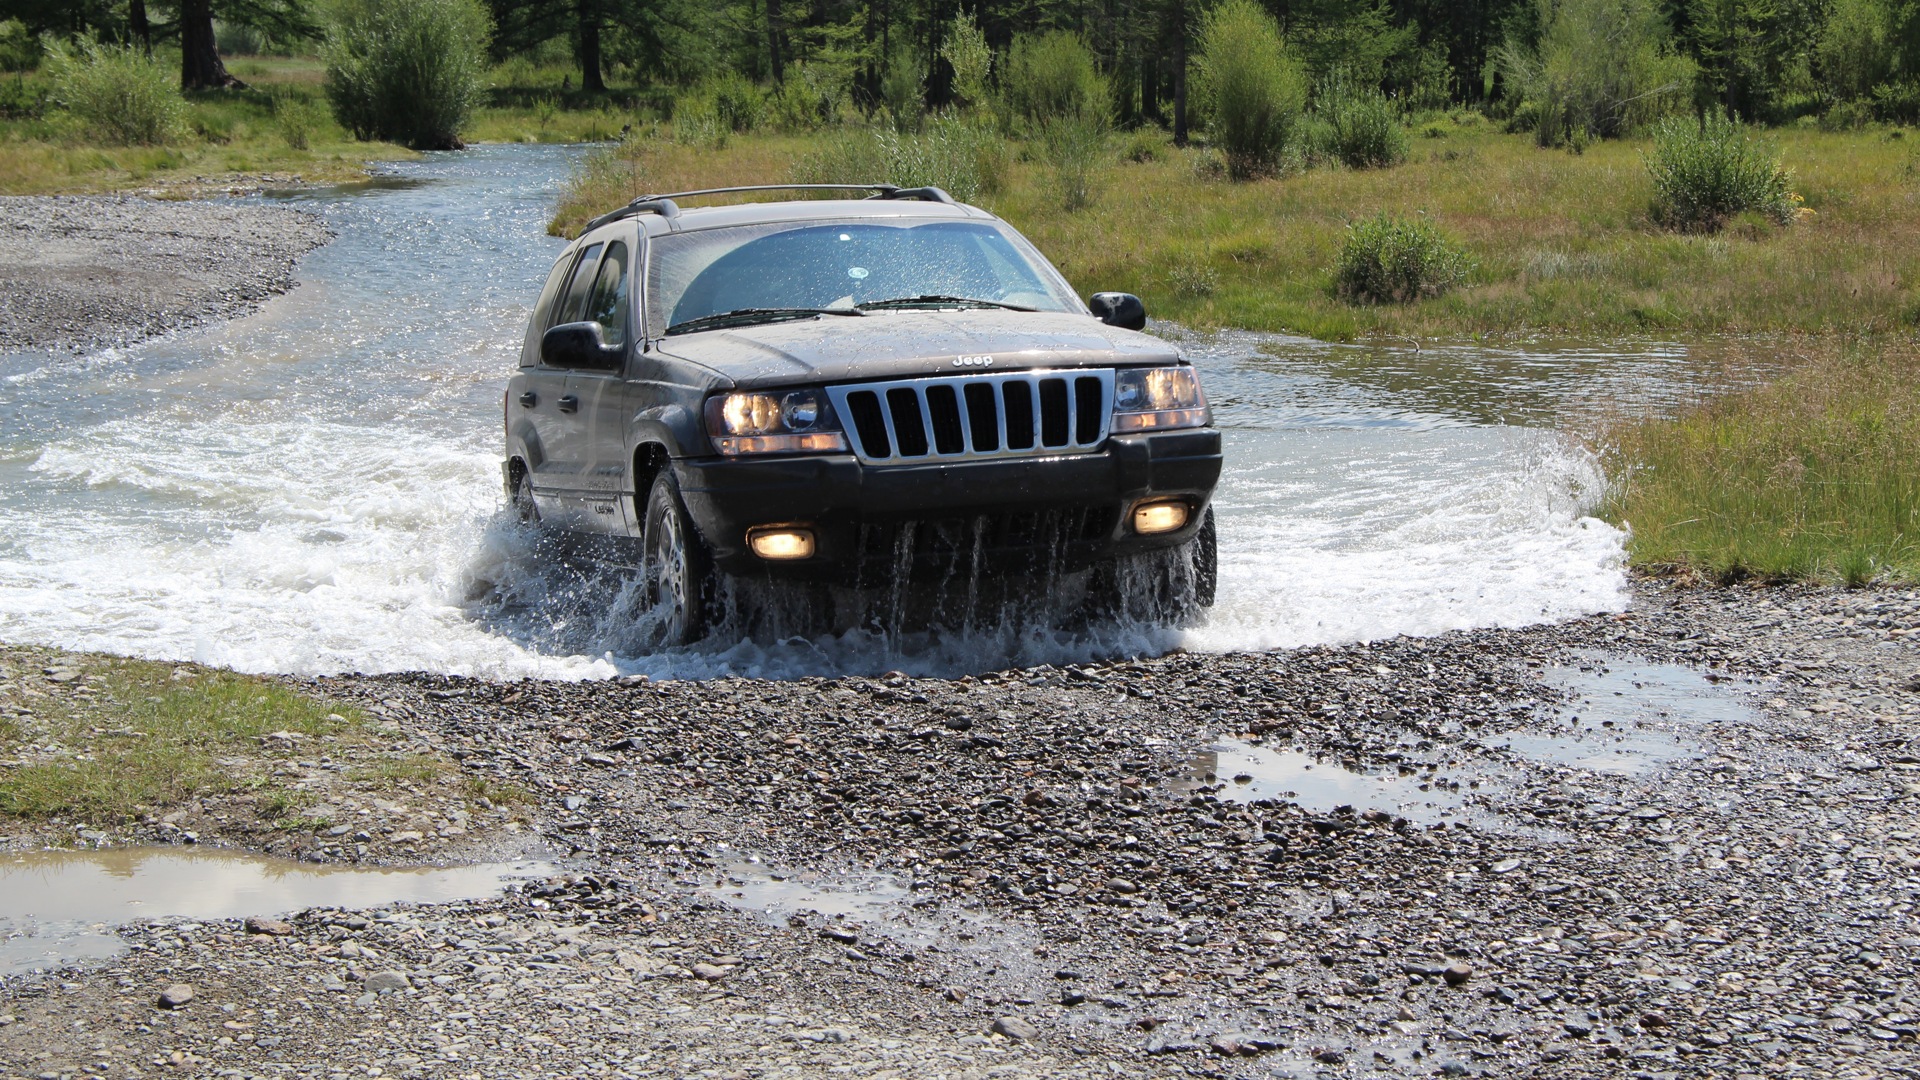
pixel 1016 1028
pixel 175 997
pixel 257 924
pixel 1457 974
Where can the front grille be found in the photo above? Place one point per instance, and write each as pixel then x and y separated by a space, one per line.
pixel 973 417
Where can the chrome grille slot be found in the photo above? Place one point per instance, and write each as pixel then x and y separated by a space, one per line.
pixel 972 417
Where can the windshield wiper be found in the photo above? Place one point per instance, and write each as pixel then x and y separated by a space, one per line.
pixel 751 315
pixel 936 300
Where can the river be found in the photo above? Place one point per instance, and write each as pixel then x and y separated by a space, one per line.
pixel 315 489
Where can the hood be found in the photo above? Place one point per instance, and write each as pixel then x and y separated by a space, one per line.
pixel 908 344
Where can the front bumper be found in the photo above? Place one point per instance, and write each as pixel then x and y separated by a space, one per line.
pixel 995 516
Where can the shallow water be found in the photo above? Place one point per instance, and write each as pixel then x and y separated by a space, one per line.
pixel 316 488
pixel 1623 717
pixel 1240 772
pixel 61 906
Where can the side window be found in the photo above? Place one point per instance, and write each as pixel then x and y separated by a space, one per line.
pixel 574 301
pixel 608 303
pixel 543 308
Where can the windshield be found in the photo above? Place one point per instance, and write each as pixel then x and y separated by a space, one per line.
pixel 801 267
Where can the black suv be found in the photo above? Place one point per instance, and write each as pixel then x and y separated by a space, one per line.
pixel 853 392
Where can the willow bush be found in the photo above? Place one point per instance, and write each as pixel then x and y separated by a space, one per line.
pixel 1251 86
pixel 408 71
pixel 119 94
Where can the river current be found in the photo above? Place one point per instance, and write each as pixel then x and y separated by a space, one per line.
pixel 315 489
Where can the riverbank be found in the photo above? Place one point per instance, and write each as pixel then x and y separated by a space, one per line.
pixel 1493 867
pixel 86 272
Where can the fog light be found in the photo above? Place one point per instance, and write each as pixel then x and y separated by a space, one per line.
pixel 781 544
pixel 1151 519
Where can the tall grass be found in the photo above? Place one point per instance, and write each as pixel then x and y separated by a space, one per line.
pixel 1252 88
pixel 119 94
pixel 1810 477
pixel 1706 171
pixel 409 71
pixel 960 155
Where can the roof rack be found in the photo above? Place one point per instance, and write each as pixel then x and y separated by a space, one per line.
pixel 666 207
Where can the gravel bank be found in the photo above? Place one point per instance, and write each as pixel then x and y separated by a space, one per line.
pixel 85 272
pixel 1039 873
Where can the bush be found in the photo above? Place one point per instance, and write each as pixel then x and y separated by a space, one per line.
pixel 737 102
pixel 19 49
pixel 1251 86
pixel 1053 76
pixel 1073 146
pixel 966 52
pixel 300 119
pixel 1389 259
pixel 1365 128
pixel 117 92
pixel 965 159
pixel 408 71
pixel 903 87
pixel 1602 66
pixel 1707 171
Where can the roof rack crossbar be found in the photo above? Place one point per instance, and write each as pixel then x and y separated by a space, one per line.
pixel 666 207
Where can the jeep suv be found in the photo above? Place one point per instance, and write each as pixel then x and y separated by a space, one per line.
pixel 853 391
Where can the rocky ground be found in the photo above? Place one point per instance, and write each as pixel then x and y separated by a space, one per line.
pixel 84 272
pixel 1041 872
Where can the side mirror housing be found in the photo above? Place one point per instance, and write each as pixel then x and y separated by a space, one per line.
pixel 578 345
pixel 1119 309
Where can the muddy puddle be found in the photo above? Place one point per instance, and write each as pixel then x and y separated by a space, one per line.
pixel 60 907
pixel 1242 772
pixel 1622 717
pixel 751 885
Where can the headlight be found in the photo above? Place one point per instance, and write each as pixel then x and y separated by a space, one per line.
pixel 779 421
pixel 1156 399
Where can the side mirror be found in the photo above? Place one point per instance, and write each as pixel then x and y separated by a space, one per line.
pixel 1119 309
pixel 578 345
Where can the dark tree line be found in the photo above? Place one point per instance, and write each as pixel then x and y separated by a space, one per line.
pixel 1753 57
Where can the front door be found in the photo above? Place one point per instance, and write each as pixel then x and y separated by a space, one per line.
pixel 601 395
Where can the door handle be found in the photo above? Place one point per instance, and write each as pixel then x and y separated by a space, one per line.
pixel 569 403
pixel 529 398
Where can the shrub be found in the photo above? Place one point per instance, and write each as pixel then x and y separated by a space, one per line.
pixel 19 49
pixel 1365 127
pixel 1707 171
pixel 964 158
pixel 737 102
pixel 903 87
pixel 1145 144
pixel 1051 76
pixel 300 119
pixel 406 70
pixel 965 50
pixel 117 92
pixel 1251 85
pixel 1605 66
pixel 1073 146
pixel 1389 259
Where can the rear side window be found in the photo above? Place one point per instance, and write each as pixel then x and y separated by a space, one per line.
pixel 607 304
pixel 573 303
pixel 530 355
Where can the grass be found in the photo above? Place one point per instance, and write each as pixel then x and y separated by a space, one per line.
pixel 127 736
pixel 1562 244
pixel 1811 477
pixel 228 135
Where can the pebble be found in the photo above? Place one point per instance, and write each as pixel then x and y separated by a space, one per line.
pixel 1014 1027
pixel 175 997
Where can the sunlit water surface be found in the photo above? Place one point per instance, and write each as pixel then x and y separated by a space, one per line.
pixel 316 488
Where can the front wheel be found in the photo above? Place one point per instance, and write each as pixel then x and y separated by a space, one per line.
pixel 680 589
pixel 1173 585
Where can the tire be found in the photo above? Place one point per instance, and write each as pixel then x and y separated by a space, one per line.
pixel 520 498
pixel 680 588
pixel 1173 585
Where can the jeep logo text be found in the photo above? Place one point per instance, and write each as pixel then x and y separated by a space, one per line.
pixel 973 361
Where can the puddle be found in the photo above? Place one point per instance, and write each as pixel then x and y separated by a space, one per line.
pixel 1249 773
pixel 58 907
pixel 751 885
pixel 1622 717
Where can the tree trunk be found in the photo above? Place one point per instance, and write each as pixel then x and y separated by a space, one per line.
pixel 200 66
pixel 774 64
pixel 1180 74
pixel 137 22
pixel 589 15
